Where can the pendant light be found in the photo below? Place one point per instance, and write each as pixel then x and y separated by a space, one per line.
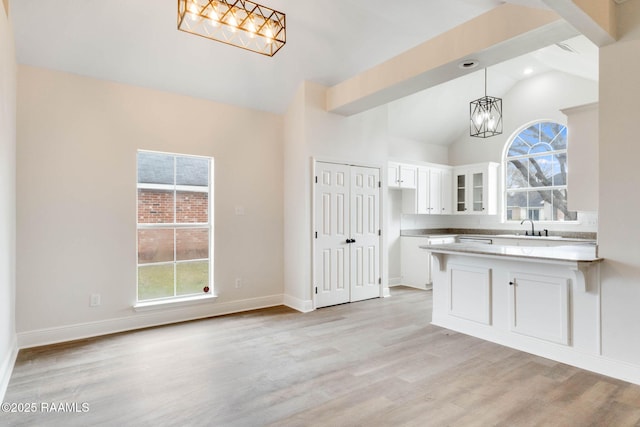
pixel 485 115
pixel 239 23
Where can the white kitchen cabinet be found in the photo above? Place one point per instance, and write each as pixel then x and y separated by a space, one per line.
pixel 446 198
pixel 582 155
pixel 476 189
pixel 416 263
pixel 401 175
pixel 433 192
pixel 539 306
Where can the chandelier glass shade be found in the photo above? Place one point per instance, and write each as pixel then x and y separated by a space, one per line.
pixel 485 115
pixel 243 24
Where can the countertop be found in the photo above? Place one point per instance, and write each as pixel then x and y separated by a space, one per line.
pixel 576 253
pixel 555 238
pixel 584 237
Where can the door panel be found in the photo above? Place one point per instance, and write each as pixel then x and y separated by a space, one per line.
pixel 539 307
pixel 365 221
pixel 435 191
pixel 332 256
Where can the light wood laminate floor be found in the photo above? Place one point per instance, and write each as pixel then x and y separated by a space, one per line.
pixel 372 363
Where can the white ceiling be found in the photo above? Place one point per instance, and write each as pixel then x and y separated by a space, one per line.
pixel 136 42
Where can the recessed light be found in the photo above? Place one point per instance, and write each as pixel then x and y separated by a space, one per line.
pixel 469 63
pixel 528 71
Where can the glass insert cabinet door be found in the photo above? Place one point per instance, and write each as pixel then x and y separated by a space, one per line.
pixel 461 189
pixel 478 192
pixel 471 192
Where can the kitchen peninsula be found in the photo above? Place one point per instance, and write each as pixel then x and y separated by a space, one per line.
pixel 543 300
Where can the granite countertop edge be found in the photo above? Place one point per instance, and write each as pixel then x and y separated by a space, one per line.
pixel 567 253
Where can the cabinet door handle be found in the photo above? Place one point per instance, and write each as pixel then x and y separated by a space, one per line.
pixel 511 283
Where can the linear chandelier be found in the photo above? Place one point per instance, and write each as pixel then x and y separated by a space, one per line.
pixel 485 114
pixel 240 23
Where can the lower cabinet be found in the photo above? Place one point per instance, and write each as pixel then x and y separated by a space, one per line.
pixel 539 306
pixel 416 263
pixel 530 304
pixel 470 293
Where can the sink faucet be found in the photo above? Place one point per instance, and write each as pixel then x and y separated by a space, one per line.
pixel 533 231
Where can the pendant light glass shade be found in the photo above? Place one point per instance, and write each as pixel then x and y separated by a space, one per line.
pixel 243 24
pixel 485 115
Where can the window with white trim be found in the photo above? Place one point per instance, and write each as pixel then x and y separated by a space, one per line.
pixel 174 226
pixel 536 174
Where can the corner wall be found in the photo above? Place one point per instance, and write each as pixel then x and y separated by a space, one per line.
pixel 76 204
pixel 311 132
pixel 8 346
pixel 619 202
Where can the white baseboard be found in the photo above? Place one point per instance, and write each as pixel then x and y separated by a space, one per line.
pixel 139 320
pixel 394 281
pixel 6 366
pixel 422 288
pixel 591 362
pixel 304 306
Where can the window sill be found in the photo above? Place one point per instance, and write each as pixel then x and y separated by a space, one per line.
pixel 174 302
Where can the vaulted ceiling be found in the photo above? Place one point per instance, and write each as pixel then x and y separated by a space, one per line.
pixel 136 42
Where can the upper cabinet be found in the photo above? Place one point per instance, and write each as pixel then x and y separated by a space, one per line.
pixel 432 193
pixel 434 189
pixel 582 154
pixel 400 175
pixel 476 189
pixel 437 192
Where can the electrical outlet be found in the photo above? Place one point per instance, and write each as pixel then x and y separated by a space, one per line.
pixel 95 300
pixel 238 282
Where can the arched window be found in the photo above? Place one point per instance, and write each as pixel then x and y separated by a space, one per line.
pixel 536 174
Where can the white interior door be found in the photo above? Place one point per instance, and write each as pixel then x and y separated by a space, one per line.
pixel 365 238
pixel 347 241
pixel 332 257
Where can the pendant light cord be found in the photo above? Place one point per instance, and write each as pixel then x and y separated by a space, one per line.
pixel 485 82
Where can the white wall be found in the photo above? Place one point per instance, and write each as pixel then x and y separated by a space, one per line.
pixel 403 149
pixel 394 225
pixel 619 200
pixel 8 348
pixel 76 181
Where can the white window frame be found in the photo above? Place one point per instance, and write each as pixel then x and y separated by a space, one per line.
pixel 178 299
pixel 504 163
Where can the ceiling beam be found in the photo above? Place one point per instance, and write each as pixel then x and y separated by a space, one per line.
pixel 503 33
pixel 595 19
